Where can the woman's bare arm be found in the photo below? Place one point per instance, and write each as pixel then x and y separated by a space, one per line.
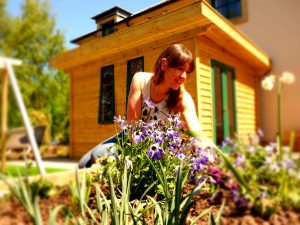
pixel 134 99
pixel 189 113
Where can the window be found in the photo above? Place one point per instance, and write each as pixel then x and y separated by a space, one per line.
pixel 133 66
pixel 108 28
pixel 224 101
pixel 106 101
pixel 231 9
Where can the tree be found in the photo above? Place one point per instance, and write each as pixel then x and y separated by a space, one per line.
pixel 5 25
pixel 34 38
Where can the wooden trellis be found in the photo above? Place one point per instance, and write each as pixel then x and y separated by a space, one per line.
pixel 7 64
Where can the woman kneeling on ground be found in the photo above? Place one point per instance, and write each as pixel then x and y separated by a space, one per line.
pixel 157 95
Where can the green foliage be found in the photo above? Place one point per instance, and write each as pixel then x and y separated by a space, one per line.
pixel 272 177
pixel 160 159
pixel 41 188
pixel 30 200
pixel 174 208
pixel 16 170
pixel 33 38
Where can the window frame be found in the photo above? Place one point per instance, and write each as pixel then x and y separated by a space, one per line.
pixel 128 78
pixel 108 25
pixel 100 120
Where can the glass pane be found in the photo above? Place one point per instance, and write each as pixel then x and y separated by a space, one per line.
pixel 234 10
pixel 219 3
pixel 232 1
pixel 107 94
pixel 108 28
pixel 223 11
pixel 218 105
pixel 107 31
pixel 135 65
pixel 228 8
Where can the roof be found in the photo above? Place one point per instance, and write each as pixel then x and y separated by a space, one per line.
pixel 116 9
pixel 191 17
pixel 111 12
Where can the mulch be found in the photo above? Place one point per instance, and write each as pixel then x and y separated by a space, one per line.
pixel 13 213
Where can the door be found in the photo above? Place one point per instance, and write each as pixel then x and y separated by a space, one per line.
pixel 224 101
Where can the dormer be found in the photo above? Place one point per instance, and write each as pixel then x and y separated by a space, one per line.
pixel 106 20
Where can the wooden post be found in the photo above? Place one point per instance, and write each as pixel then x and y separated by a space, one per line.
pixel 4 121
pixel 30 133
pixel 7 64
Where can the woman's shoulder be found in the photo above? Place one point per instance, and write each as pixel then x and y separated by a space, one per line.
pixel 141 78
pixel 142 75
pixel 187 99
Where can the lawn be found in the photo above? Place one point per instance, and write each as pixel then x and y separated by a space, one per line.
pixel 13 170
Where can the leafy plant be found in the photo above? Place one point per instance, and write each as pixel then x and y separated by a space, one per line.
pixel 165 142
pixel 173 209
pixel 273 176
pixel 22 191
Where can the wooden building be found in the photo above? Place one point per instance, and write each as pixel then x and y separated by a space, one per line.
pixel 224 84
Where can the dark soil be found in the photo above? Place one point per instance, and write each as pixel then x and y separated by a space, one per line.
pixel 12 212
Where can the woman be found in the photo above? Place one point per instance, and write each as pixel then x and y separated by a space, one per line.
pixel 164 89
pixel 156 95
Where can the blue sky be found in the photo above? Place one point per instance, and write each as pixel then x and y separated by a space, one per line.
pixel 74 16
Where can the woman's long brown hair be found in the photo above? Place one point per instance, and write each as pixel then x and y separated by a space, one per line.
pixel 176 55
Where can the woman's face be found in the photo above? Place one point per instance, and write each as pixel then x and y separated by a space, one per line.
pixel 175 77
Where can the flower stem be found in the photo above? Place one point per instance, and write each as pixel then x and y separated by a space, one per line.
pixel 279 119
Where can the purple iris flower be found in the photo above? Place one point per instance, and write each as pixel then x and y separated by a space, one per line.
pixel 137 137
pixel 181 156
pixel 172 146
pixel 239 160
pixel 121 122
pixel 158 154
pixel 260 132
pixel 197 165
pixel 150 154
pixel 155 152
pixel 204 160
pixel 176 122
pixel 149 103
pixel 198 150
pixel 216 174
pixel 228 142
pixel 289 164
pixel 159 138
pixel 118 119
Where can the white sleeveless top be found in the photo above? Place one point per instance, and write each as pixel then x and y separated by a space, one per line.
pixel 151 110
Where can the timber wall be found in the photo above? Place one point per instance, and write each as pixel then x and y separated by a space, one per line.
pixel 85 90
pixel 86 133
pixel 246 87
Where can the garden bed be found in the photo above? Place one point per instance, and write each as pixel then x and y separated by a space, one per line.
pixel 12 212
pixel 164 175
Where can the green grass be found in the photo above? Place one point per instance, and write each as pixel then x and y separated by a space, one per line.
pixel 13 170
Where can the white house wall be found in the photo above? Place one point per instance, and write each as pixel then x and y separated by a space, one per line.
pixel 274 25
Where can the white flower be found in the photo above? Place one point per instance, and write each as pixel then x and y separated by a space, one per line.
pixel 268 82
pixel 95 168
pixel 128 162
pixel 269 149
pixel 287 78
pixel 111 158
